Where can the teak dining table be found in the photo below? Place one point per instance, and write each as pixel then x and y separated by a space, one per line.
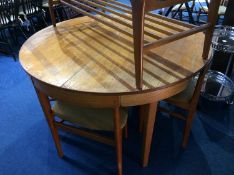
pixel 89 60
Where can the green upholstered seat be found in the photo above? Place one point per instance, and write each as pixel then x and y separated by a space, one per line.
pixel 187 94
pixel 92 118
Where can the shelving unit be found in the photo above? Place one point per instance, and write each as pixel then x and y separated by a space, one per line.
pixel 147 29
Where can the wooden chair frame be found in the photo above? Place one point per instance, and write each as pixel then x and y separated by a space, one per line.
pixel 74 98
pixel 190 106
pixel 137 15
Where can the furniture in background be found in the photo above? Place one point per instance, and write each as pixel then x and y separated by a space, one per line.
pixel 33 12
pixel 9 50
pixel 60 11
pixel 219 87
pixel 99 114
pixel 10 24
pixel 180 8
pixel 203 9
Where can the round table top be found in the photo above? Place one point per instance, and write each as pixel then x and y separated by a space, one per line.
pixel 86 56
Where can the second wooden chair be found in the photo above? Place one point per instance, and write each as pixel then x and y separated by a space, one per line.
pixel 187 100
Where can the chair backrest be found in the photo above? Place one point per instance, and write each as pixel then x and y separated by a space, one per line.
pixel 32 6
pixel 197 90
pixel 141 7
pixel 156 4
pixel 193 4
pixel 9 10
pixel 137 14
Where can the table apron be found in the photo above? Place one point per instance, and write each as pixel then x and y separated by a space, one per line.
pixel 99 100
pixel 153 96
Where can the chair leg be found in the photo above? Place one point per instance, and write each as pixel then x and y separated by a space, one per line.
pixel 12 52
pixel 13 35
pixel 148 128
pixel 198 16
pixel 42 18
pixel 118 139
pixel 45 104
pixel 65 14
pixel 22 32
pixel 32 25
pixel 8 44
pixel 126 131
pixel 141 119
pixel 187 128
pixel 181 15
pixel 57 15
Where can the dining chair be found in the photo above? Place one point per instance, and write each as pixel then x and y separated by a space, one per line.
pixel 10 51
pixel 204 8
pixel 103 114
pixel 187 100
pixel 60 11
pixel 181 8
pixel 34 13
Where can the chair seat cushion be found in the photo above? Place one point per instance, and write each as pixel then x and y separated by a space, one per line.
pixel 91 118
pixel 187 94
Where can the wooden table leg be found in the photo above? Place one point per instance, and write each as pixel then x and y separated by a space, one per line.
pixel 149 119
pixel 118 140
pixel 45 104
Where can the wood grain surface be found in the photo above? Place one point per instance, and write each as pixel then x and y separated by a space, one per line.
pixel 86 56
